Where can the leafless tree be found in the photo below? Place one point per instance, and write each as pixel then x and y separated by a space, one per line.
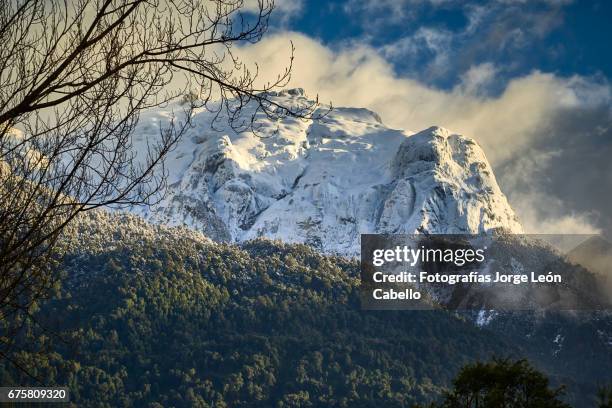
pixel 74 78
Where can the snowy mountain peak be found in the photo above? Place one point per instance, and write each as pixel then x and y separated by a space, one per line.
pixel 326 181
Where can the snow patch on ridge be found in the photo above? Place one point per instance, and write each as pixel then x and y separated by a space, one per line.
pixel 326 181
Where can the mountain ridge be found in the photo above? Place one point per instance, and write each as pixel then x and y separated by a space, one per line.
pixel 162 285
pixel 327 180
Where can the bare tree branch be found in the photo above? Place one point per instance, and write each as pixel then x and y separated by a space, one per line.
pixel 74 79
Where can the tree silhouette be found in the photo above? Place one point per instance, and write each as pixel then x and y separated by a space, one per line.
pixel 74 78
pixel 502 384
pixel 604 396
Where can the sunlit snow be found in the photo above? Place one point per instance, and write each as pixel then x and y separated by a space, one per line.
pixel 325 181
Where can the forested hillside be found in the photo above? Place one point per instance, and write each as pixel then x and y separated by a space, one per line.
pixel 151 316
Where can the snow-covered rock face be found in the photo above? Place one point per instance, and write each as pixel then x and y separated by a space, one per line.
pixel 326 181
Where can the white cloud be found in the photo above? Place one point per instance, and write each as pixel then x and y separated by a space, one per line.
pixel 478 78
pixel 284 10
pixel 506 125
pixel 540 211
pixel 287 9
pixel 436 42
pixel 498 30
pixel 359 76
pixel 545 214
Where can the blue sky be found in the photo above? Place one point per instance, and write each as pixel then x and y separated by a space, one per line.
pixel 448 37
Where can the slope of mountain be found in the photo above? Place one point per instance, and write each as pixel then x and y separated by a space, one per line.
pixel 151 316
pixel 156 316
pixel 322 182
pixel 326 181
pixel 594 254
